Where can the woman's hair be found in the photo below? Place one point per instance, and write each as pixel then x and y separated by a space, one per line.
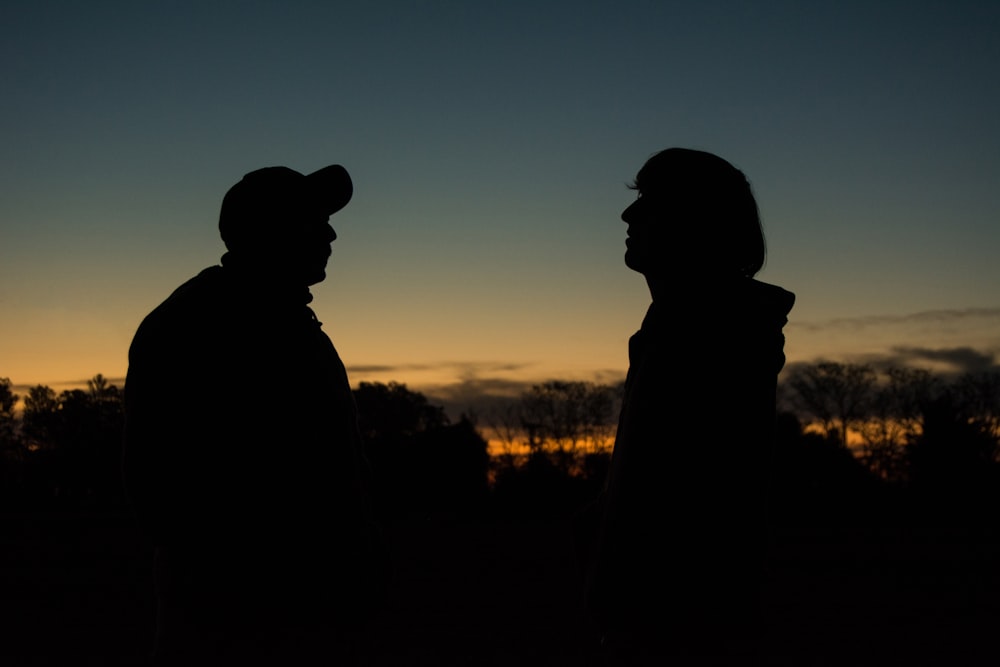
pixel 712 202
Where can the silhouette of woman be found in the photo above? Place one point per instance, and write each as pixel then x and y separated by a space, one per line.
pixel 680 542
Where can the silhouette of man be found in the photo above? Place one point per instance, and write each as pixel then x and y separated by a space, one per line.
pixel 681 537
pixel 242 452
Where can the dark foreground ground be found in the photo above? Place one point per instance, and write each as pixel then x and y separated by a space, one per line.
pixel 75 589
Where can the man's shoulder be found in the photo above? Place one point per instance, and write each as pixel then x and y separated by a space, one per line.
pixel 206 285
pixel 188 303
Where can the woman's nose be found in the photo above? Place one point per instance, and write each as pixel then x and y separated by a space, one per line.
pixel 628 215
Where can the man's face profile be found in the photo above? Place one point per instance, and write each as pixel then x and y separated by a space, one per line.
pixel 277 221
pixel 305 247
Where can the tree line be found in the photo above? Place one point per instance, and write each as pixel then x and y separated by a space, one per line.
pixel 63 448
pixel 905 425
pixel 839 424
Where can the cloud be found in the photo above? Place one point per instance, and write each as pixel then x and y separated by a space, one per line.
pixel 960 359
pixel 465 369
pixel 476 387
pixel 66 385
pixel 370 369
pixel 948 361
pixel 942 340
pixel 927 317
pixel 480 396
pixel 461 387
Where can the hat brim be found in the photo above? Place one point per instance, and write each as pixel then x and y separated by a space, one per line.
pixel 331 187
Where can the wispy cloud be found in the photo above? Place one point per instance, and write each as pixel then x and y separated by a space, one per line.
pixel 949 361
pixel 463 369
pixel 956 340
pixel 475 387
pixel 960 359
pixel 65 385
pixel 928 317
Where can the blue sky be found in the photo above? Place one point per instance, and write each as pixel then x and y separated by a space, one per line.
pixel 490 145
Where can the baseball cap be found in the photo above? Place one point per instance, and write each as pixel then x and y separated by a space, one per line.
pixel 279 197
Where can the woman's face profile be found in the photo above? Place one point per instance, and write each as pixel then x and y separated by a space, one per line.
pixel 694 214
pixel 648 221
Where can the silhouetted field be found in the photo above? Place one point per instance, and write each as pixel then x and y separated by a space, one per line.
pixel 77 590
pixel 872 561
pixel 75 585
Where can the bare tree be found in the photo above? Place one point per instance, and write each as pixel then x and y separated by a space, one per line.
pixel 504 424
pixel 837 396
pixel 979 394
pixel 895 418
pixel 9 440
pixel 393 410
pixel 562 420
pixel 565 418
pixel 41 412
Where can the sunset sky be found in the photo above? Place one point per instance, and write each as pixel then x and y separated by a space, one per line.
pixel 490 146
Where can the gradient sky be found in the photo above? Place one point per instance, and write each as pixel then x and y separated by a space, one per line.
pixel 490 145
